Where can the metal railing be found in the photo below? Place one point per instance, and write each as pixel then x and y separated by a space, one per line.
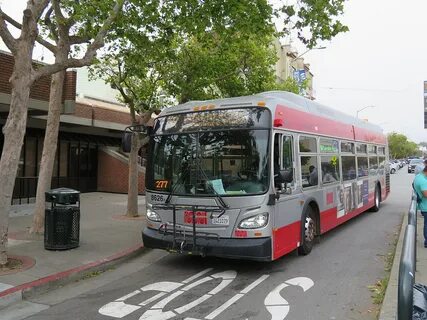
pixel 407 266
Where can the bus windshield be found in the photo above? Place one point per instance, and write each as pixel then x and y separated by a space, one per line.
pixel 227 162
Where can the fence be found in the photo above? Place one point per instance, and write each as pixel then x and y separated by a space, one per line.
pixel 407 267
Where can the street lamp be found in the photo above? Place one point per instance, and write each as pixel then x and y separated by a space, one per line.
pixel 357 112
pixel 318 48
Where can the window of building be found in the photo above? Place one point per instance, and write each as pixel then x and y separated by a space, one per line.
pixel 309 172
pixel 63 159
pixel 373 166
pixel 348 167
pixel 372 149
pixel 330 169
pixel 307 144
pixel 328 146
pixel 362 166
pixel 381 150
pixel 347 147
pixel 361 148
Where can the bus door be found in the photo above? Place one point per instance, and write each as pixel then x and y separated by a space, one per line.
pixel 287 215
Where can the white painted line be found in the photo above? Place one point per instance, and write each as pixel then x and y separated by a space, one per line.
pixel 254 284
pixel 165 301
pixel 130 295
pixel 198 282
pixel 117 309
pixel 191 305
pixel 152 299
pixel 221 286
pixel 197 275
pixel 227 304
pixel 235 298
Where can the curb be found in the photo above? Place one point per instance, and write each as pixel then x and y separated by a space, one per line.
pixel 389 305
pixel 42 285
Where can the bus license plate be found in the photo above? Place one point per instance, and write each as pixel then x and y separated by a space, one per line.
pixel 223 220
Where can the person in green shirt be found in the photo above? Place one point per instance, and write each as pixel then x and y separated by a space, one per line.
pixel 420 186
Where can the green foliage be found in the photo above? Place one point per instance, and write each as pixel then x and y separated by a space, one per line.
pixel 167 51
pixel 315 20
pixel 400 146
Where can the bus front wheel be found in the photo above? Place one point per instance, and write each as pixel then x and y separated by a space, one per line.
pixel 308 232
pixel 377 199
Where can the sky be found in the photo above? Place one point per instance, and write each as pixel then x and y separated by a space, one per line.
pixel 380 62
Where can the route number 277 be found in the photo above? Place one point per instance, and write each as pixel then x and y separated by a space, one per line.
pixel 275 304
pixel 161 184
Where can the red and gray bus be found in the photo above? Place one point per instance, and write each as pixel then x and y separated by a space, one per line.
pixel 257 177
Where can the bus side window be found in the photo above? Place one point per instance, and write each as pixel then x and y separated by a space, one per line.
pixel 287 156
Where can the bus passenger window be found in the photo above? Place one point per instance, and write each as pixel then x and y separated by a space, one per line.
pixel 330 169
pixel 362 166
pixel 373 166
pixel 309 172
pixel 348 167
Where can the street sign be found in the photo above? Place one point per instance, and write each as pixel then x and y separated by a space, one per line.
pixel 300 75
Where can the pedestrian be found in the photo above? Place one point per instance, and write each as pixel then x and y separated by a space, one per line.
pixel 419 167
pixel 420 186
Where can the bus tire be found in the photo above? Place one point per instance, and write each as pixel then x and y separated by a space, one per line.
pixel 308 231
pixel 377 200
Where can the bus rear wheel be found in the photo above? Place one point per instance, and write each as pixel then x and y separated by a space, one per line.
pixel 309 232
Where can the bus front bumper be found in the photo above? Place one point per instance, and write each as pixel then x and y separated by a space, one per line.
pixel 258 249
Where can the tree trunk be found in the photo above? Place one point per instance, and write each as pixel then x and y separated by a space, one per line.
pixel 14 132
pixel 49 150
pixel 132 207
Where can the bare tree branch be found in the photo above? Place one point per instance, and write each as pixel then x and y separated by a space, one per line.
pixel 61 21
pixel 90 52
pixel 5 34
pixel 79 39
pixel 39 39
pixel 39 8
pixel 50 25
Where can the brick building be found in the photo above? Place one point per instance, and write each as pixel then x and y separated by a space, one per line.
pixel 88 157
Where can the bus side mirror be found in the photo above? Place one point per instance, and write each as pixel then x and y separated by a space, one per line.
pixel 127 135
pixel 287 176
pixel 126 141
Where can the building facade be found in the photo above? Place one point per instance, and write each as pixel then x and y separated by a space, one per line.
pixel 88 156
pixel 290 65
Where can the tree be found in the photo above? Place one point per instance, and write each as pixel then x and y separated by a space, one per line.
pixel 23 76
pixel 400 146
pixel 191 50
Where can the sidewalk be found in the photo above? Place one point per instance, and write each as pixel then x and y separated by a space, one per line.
pixel 389 307
pixel 106 237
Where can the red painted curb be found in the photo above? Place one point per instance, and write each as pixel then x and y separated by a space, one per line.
pixel 67 273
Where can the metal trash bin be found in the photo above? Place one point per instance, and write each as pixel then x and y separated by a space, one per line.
pixel 62 219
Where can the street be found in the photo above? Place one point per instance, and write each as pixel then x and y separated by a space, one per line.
pixel 330 283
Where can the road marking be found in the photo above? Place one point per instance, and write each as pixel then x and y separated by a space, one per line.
pixel 119 309
pixel 235 298
pixel 276 305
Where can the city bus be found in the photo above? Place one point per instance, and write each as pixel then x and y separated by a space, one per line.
pixel 259 176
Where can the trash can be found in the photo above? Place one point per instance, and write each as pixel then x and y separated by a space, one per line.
pixel 62 219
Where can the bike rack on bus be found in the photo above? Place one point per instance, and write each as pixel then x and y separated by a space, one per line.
pixel 179 233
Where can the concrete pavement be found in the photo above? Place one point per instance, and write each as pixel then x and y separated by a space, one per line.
pixel 106 237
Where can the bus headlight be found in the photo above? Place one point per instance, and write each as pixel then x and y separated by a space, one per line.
pixel 152 215
pixel 254 222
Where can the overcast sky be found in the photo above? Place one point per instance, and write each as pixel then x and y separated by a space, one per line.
pixel 381 62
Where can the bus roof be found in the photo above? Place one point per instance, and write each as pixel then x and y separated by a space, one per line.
pixel 294 112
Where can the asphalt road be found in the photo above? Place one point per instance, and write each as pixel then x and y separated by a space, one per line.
pixel 330 283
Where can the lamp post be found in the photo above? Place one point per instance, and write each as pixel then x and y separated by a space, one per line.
pixel 318 48
pixel 357 112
